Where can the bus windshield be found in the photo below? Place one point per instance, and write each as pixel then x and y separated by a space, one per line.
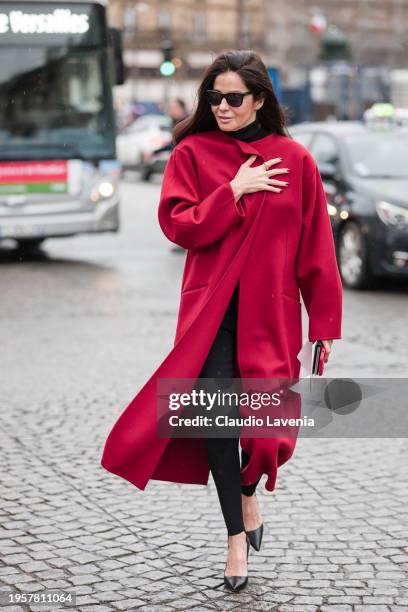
pixel 55 98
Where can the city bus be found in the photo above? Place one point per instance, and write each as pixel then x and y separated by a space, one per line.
pixel 58 168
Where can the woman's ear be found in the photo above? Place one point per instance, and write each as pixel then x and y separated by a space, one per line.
pixel 259 103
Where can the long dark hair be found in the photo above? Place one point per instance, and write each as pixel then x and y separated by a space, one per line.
pixel 252 71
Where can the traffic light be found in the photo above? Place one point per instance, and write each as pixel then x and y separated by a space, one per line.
pixel 334 45
pixel 167 68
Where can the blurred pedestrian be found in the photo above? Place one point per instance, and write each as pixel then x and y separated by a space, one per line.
pixel 176 109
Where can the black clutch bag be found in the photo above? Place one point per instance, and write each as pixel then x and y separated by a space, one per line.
pixel 318 359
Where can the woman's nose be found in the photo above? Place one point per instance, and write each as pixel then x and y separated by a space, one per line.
pixel 224 104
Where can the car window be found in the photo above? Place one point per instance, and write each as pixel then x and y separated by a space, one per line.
pixel 136 127
pixel 324 149
pixel 303 137
pixel 379 154
pixel 148 122
pixel 166 124
pixel 160 120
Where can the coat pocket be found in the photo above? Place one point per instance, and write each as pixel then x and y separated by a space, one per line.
pixel 191 302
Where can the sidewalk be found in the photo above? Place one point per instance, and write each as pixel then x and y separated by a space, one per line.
pixel 335 528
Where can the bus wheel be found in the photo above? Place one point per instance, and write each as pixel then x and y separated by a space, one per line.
pixel 29 245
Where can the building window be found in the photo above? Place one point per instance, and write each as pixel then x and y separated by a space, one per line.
pixel 245 27
pixel 163 19
pixel 245 23
pixel 199 26
pixel 194 72
pixel 129 18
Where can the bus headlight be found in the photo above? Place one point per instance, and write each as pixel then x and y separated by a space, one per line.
pixel 390 214
pixel 102 191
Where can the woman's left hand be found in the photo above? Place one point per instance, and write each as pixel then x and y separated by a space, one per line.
pixel 327 345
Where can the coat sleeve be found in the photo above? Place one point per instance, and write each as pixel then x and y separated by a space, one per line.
pixel 187 219
pixel 316 264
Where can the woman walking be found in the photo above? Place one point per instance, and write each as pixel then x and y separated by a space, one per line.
pixel 256 232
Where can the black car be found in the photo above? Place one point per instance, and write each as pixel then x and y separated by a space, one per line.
pixel 365 176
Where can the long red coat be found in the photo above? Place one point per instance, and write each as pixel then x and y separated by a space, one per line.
pixel 275 244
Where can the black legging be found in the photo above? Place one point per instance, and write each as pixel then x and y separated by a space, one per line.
pixel 223 453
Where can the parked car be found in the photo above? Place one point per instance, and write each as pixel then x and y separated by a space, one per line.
pixel 154 163
pixel 144 135
pixel 365 175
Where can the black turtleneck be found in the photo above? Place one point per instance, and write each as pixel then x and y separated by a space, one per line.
pixel 248 133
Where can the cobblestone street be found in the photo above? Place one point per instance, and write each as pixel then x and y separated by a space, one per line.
pixel 83 327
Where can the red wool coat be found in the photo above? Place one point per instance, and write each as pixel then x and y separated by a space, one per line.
pixel 275 244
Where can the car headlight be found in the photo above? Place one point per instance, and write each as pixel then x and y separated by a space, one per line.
pixel 392 214
pixel 332 210
pixel 102 191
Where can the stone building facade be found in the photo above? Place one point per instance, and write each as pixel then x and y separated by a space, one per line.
pixel 280 30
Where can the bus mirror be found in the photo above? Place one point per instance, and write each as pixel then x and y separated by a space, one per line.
pixel 115 41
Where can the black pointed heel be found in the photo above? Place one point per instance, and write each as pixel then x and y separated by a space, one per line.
pixel 255 537
pixel 236 583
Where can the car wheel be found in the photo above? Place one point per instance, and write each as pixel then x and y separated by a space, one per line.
pixel 145 174
pixel 353 257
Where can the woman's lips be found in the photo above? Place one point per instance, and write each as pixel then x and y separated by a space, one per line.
pixel 225 119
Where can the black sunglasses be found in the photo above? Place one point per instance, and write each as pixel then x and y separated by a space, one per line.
pixel 233 98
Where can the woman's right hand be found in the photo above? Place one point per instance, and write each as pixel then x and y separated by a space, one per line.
pixel 250 179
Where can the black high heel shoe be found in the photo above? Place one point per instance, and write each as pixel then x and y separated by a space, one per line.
pixel 255 537
pixel 236 583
